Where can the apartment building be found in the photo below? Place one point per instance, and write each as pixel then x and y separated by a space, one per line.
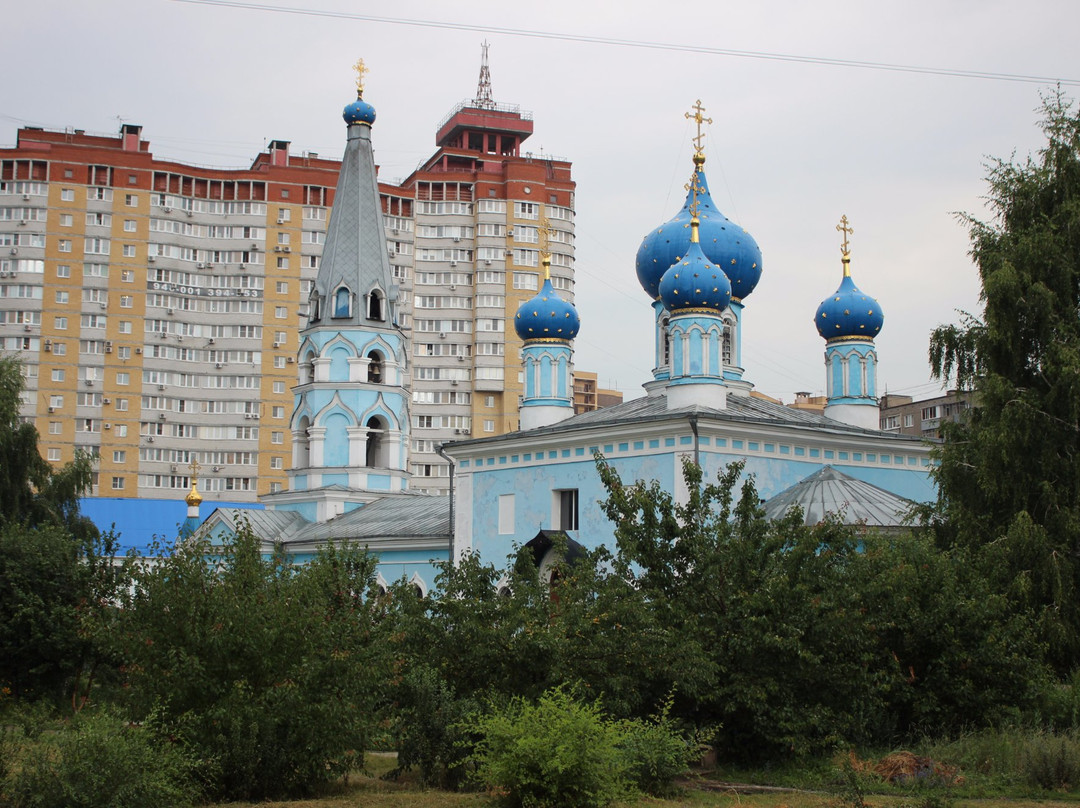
pixel 906 416
pixel 155 305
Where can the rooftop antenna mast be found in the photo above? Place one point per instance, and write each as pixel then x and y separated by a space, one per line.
pixel 483 90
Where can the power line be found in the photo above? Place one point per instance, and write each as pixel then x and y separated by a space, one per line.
pixel 634 43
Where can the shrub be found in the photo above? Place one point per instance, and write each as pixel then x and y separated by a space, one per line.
pixel 98 761
pixel 1051 760
pixel 557 752
pixel 655 753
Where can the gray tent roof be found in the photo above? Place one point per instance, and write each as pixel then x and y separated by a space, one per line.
pixel 417 516
pixel 831 491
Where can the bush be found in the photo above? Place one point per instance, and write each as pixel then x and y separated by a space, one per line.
pixel 1051 760
pixel 655 753
pixel 557 752
pixel 98 761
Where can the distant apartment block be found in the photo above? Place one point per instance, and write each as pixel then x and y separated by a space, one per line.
pixel 906 416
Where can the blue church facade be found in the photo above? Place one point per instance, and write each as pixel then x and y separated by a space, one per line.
pixel 348 479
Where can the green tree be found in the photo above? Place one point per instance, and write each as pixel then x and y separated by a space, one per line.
pixel 270 670
pixel 56 574
pixel 1009 474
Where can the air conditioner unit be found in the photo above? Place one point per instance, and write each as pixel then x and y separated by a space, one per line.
pixel 277 248
pixel 48 346
pixel 200 265
pixel 190 213
pixel 394 230
pixel 241 267
pixel 52 410
pixel 108 348
pixel 453 263
pixel 281 221
pixel 106 401
pixel 107 425
pixel 150 439
pixel 161 416
pixel 22 223
pixel 103 303
pixel 286 249
pixel 164 335
pixel 26 197
pixel 138 350
pixel 168 311
pixel 151 259
pixel 277 344
pixel 509 231
pixel 26 328
pixel 461 359
pixel 172 467
pixel 219 365
pixel 290 360
pixel 454 382
pixel 161 387
pixel 89 382
pixel 14 250
pixel 248 416
pixel 487 262
pixel 166 210
pixel 254 246
pixel 442 335
pixel 211 342
pixel 216 468
pixel 457 239
pixel 452 287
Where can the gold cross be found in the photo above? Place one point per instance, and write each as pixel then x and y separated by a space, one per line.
pixel 694 187
pixel 847 230
pixel 195 466
pixel 360 69
pixel 698 118
pixel 547 230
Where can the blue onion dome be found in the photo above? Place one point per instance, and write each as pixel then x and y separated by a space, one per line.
pixel 723 242
pixel 849 313
pixel 359 111
pixel 547 316
pixel 694 282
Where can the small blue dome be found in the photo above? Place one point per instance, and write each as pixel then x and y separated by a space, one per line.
pixel 849 313
pixel 723 242
pixel 694 282
pixel 359 111
pixel 547 316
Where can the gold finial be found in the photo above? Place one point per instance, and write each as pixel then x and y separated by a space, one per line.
pixel 845 250
pixel 699 119
pixel 546 262
pixel 546 232
pixel 360 69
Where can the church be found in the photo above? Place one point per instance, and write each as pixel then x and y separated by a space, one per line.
pixel 350 424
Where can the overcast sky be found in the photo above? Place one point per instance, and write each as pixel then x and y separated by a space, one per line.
pixel 793 144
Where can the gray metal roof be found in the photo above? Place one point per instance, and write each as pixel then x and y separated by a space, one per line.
pixel 355 252
pixel 415 516
pixel 831 491
pixel 746 409
pixel 266 524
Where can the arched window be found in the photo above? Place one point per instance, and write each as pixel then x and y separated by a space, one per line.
pixel 729 344
pixel 378 453
pixel 375 367
pixel 307 368
pixel 302 448
pixel 342 302
pixel 665 357
pixel 375 306
pixel 314 307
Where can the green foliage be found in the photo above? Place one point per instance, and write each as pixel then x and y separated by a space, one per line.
pixel 56 593
pixel 794 639
pixel 556 753
pixel 99 761
pixel 1009 475
pixel 272 671
pixel 1052 760
pixel 654 752
pixel 430 723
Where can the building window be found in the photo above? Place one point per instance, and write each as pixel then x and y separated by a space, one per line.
pixel 565 507
pixel 276 463
pixel 506 514
pixel 58 374
pixel 54 455
pixel 131 200
pixel 280 312
pixel 279 387
pixel 66 220
pixel 277 412
pixel 489 425
pixel 129 225
pixel 277 437
pixel 129 251
pixel 342 302
pixel 119 456
pixel 282 287
pixel 64 245
pixel 56 428
pixel 67 195
pixel 60 323
pixel 117 483
pixel 526 280
pixel 63 271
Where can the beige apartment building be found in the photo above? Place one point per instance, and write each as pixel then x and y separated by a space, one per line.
pixel 155 305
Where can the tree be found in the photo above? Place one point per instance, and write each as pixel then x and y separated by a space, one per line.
pixel 56 574
pixel 272 671
pixel 1009 475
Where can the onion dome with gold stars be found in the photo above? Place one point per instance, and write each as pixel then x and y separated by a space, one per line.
pixel 359 111
pixel 547 316
pixel 849 313
pixel 694 282
pixel 724 243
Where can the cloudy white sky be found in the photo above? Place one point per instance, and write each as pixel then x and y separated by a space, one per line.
pixel 793 144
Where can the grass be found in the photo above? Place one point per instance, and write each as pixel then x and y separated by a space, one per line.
pixel 818 786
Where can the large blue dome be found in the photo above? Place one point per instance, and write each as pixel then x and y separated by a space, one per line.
pixel 849 313
pixel 547 316
pixel 359 111
pixel 694 282
pixel 724 243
